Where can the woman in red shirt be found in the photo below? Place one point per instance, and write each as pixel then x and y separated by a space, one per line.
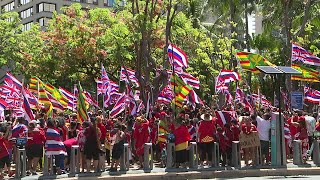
pixel 248 128
pixel 182 138
pixel 34 147
pixel 140 137
pixel 206 133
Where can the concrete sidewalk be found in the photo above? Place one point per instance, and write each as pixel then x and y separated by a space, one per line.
pixel 203 173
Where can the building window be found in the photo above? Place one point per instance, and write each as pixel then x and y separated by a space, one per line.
pixel 109 3
pixel 26 13
pixel 8 7
pixel 22 2
pixel 44 21
pixel 26 26
pixel 92 1
pixel 46 7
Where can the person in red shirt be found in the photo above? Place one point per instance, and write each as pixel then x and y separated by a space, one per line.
pixel 4 156
pixel 222 145
pixel 293 125
pixel 206 133
pixel 182 138
pixel 140 137
pixel 248 128
pixel 102 128
pixel 34 147
pixel 235 130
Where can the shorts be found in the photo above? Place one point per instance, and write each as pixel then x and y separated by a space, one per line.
pixel 91 153
pixel 5 160
pixel 264 148
pixel 34 151
pixel 117 151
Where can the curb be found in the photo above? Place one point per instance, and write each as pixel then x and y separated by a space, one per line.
pixel 208 174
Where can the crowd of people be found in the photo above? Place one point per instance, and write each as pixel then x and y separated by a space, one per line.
pixel 101 135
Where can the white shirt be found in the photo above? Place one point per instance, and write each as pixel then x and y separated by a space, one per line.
pixel 263 127
pixel 311 124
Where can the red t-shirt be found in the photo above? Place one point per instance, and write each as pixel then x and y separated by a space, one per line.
pixel 154 134
pixel 38 137
pixel 248 129
pixel 103 131
pixel 141 136
pixel 3 148
pixel 206 130
pixel 181 134
pixel 293 129
pixel 229 137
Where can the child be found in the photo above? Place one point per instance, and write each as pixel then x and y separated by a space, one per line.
pixel 4 156
pixel 117 148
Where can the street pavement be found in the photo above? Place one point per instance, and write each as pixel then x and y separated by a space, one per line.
pixel 291 171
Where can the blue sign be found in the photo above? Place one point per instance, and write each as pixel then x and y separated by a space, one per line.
pixel 296 100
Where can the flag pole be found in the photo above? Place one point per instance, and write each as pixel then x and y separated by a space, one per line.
pixel 174 87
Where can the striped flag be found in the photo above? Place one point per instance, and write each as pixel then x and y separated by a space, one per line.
pixel 56 94
pixel 189 79
pixel 224 117
pixel 166 95
pixel 82 107
pixel 194 98
pixel 308 74
pixel 249 61
pixel 70 97
pixel 299 54
pixel 311 95
pixel 13 79
pixel 119 106
pixel 132 76
pixel 3 104
pixel 240 96
pixel 26 107
pixel 37 86
pixel 177 57
pixel 224 78
pixel 181 90
pixel 54 145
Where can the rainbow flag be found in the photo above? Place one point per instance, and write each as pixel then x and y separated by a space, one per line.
pixel 308 74
pixel 82 108
pixel 249 61
pixel 181 90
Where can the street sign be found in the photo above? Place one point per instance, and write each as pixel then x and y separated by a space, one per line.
pixel 296 100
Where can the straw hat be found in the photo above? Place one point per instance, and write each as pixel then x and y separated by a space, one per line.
pixel 206 117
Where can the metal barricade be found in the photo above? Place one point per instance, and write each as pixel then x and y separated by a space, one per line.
pixel 316 152
pixel 297 152
pixel 48 165
pixel 216 155
pixel 21 163
pixel 75 160
pixel 170 155
pixel 124 159
pixel 236 155
pixel 148 157
pixel 193 155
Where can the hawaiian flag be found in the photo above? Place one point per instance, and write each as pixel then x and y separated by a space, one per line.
pixel 13 79
pixel 26 107
pixel 240 96
pixel 119 106
pixel 224 117
pixel 3 104
pixel 70 97
pixel 177 57
pixel 140 107
pixel 166 95
pixel 125 73
pixel 229 98
pixel 301 55
pixel 194 98
pixel 224 78
pixel 311 95
pixel 90 99
pixel 19 130
pixel 190 80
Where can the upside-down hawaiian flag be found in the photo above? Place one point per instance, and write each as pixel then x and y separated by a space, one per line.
pixel 176 56
pixel 26 107
pixel 14 80
pixel 299 54
pixel 119 106
pixel 224 78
